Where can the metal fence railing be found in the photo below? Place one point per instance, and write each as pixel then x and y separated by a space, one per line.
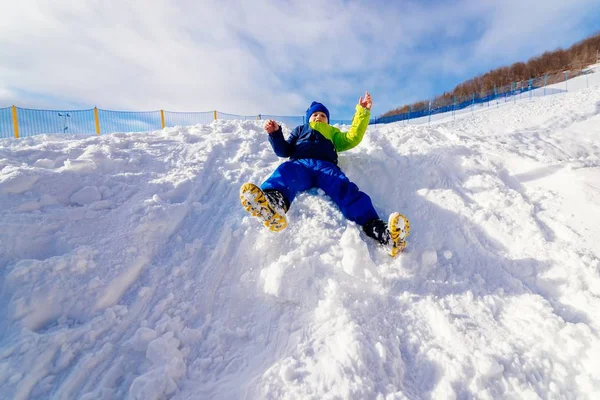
pixel 6 124
pixel 22 122
pixel 534 87
pixel 173 118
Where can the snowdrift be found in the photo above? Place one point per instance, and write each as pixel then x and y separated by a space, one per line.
pixel 128 269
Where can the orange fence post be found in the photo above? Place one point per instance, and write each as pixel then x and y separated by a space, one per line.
pixel 162 118
pixel 97 120
pixel 215 114
pixel 15 121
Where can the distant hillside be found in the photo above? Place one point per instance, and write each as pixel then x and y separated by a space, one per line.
pixel 577 57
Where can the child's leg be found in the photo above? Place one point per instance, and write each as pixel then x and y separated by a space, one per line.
pixel 357 207
pixel 289 178
pixel 354 204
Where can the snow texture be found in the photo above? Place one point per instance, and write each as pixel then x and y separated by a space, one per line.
pixel 128 268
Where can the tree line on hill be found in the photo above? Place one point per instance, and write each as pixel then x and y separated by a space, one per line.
pixel 551 64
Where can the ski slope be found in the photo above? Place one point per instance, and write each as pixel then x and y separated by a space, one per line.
pixel 128 268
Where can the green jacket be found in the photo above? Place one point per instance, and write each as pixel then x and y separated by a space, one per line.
pixel 321 141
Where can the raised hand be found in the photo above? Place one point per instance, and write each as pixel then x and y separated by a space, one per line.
pixel 367 102
pixel 271 126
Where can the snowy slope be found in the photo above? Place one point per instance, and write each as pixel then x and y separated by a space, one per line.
pixel 128 269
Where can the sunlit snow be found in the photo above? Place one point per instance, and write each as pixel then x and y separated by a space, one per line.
pixel 129 269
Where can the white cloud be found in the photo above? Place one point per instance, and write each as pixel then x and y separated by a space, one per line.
pixel 266 56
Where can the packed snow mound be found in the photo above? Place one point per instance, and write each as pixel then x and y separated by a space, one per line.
pixel 129 269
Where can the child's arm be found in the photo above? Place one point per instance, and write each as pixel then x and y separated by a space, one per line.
pixel 281 147
pixel 347 140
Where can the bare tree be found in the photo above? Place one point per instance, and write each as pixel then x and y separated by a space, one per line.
pixel 552 64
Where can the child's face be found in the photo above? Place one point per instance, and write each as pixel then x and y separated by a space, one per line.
pixel 318 116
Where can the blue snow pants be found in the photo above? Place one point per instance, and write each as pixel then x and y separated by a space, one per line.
pixel 292 177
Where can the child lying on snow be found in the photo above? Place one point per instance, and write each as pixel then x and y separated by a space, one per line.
pixel 312 150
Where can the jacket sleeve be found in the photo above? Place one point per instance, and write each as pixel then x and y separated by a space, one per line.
pixel 281 146
pixel 347 140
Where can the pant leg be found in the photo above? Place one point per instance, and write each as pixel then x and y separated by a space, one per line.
pixel 354 204
pixel 290 178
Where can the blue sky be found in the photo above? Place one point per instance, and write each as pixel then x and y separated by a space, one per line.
pixel 268 56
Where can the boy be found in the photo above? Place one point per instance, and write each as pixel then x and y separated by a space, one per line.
pixel 312 150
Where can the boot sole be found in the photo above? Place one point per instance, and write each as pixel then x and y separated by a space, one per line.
pixel 254 201
pixel 399 230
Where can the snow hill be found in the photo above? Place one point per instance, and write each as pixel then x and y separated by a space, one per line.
pixel 128 268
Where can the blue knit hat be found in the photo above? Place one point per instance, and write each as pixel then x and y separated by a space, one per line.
pixel 314 107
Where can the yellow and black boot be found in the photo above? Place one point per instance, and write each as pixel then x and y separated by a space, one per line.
pixel 399 228
pixel 392 235
pixel 269 206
